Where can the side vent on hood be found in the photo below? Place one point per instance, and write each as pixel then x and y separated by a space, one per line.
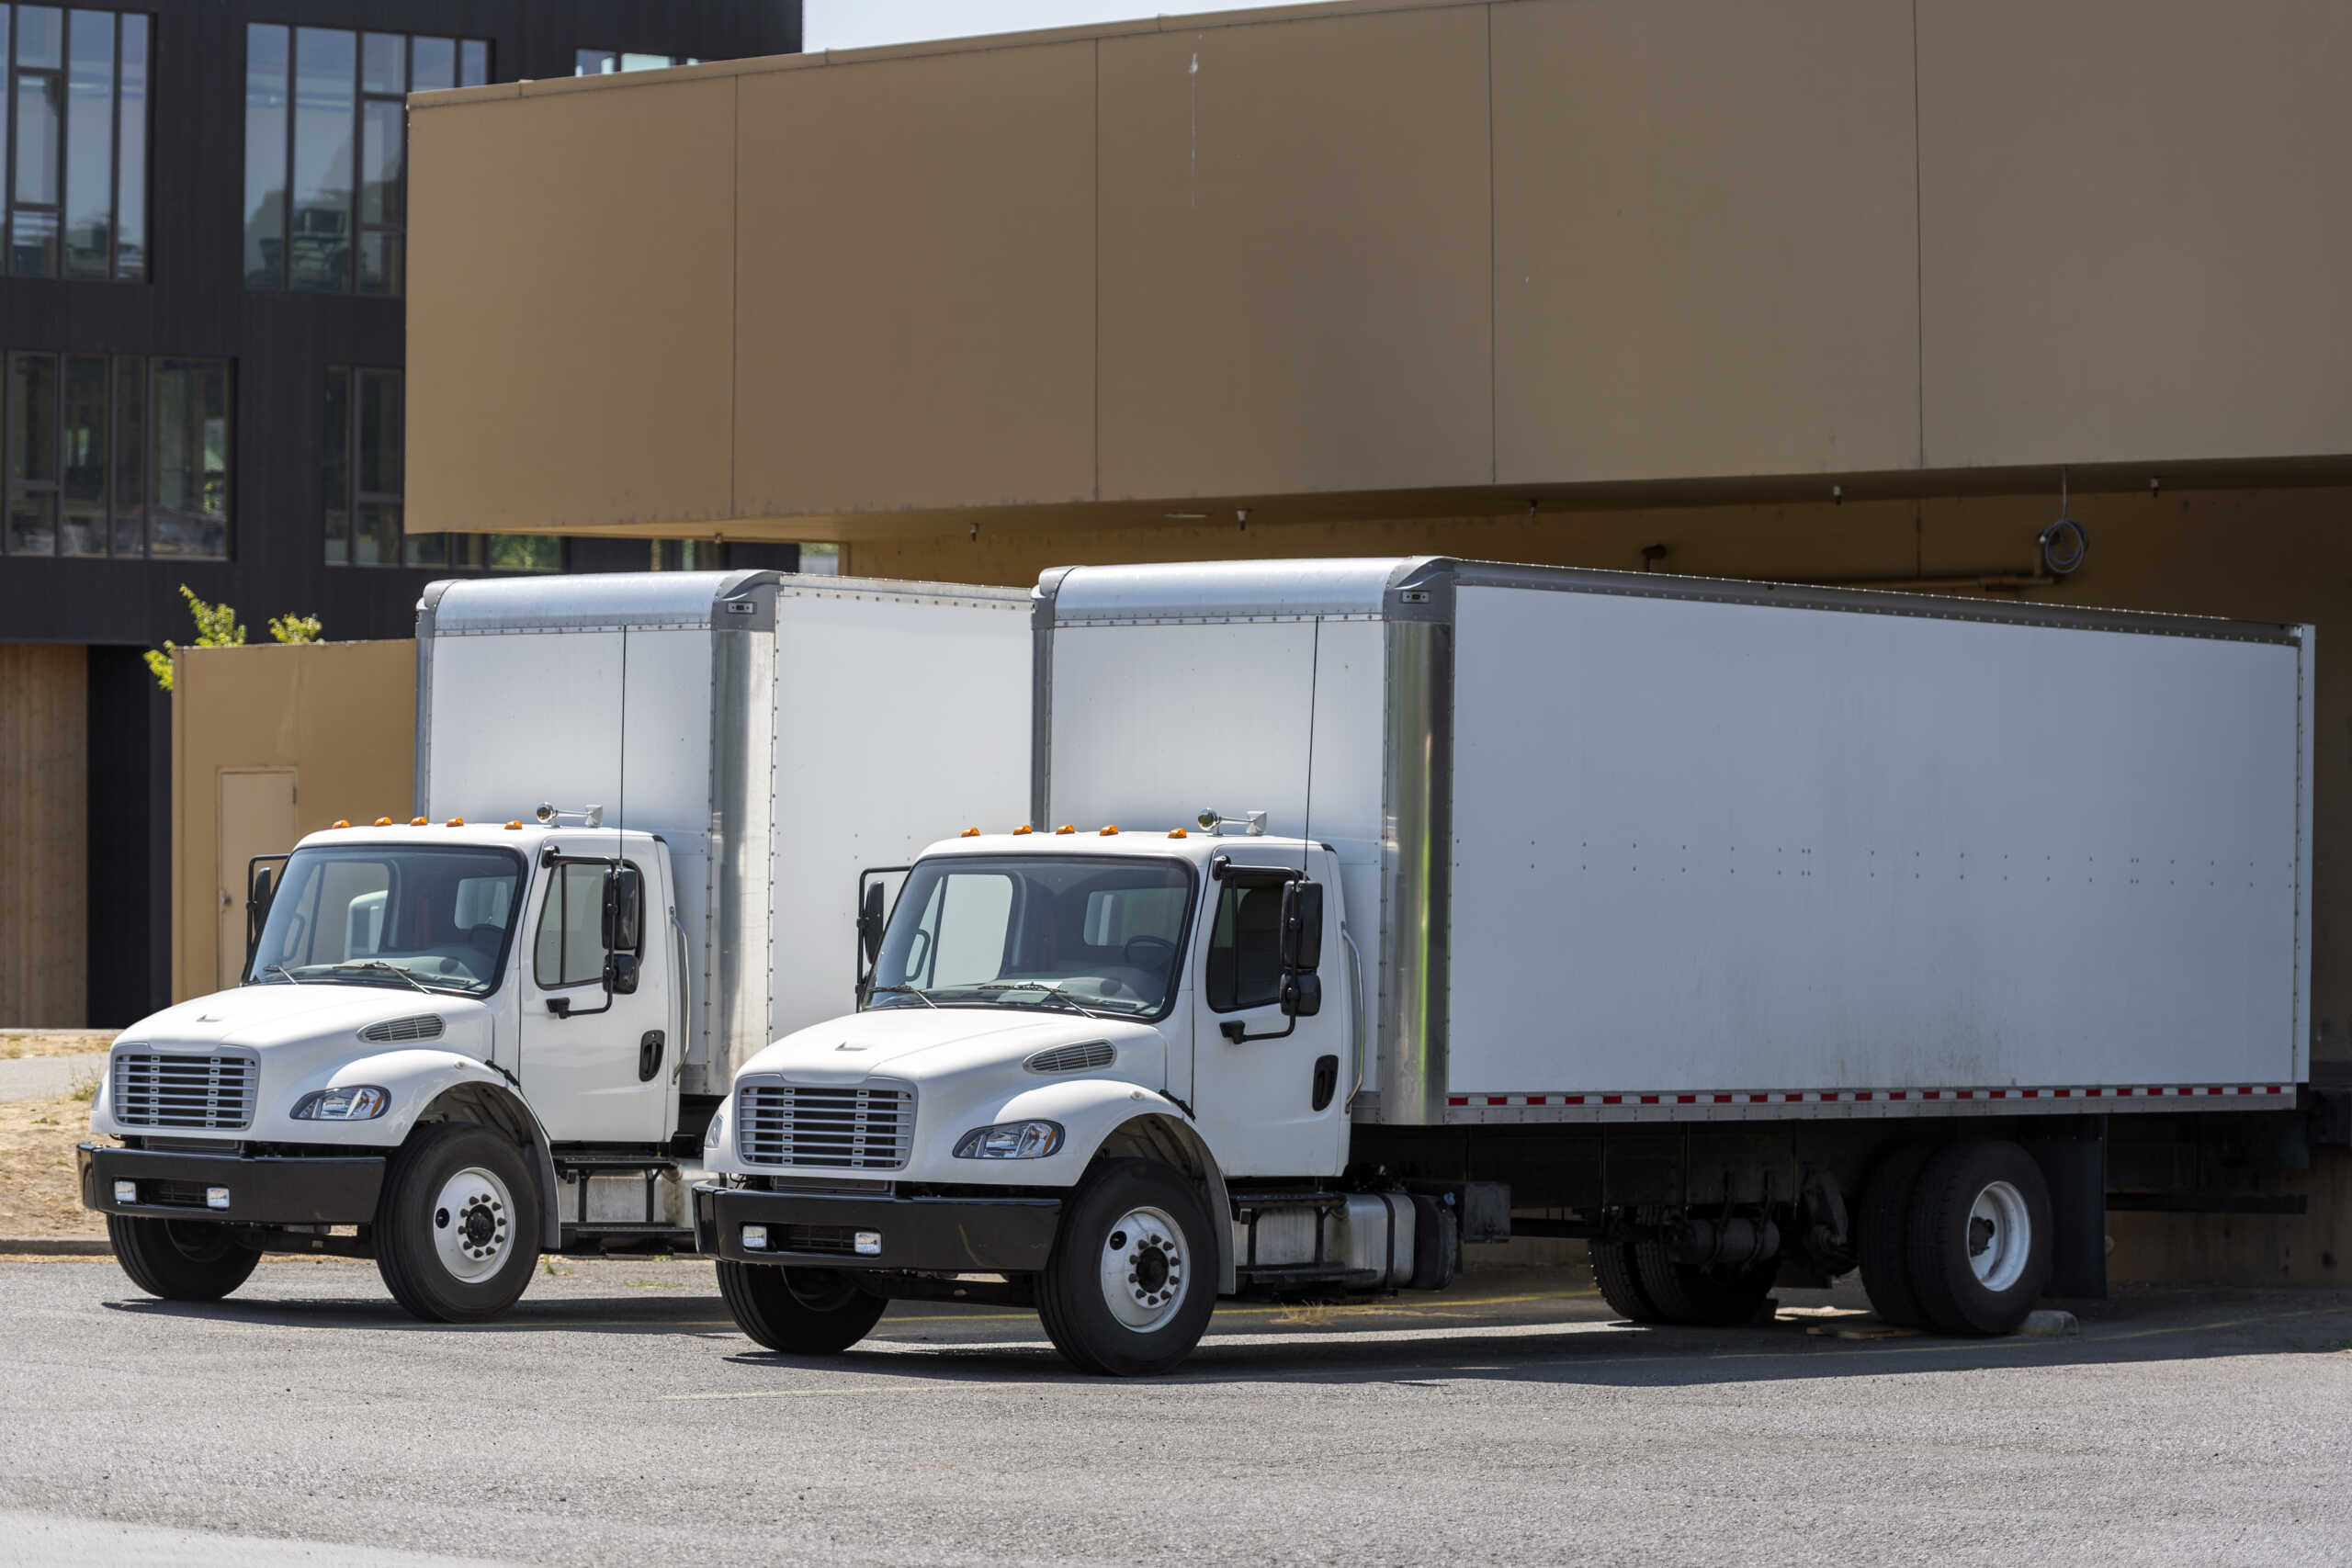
pixel 423 1026
pixel 1072 1058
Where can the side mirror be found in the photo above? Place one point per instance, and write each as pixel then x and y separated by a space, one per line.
pixel 624 910
pixel 1303 926
pixel 870 920
pixel 620 973
pixel 1302 995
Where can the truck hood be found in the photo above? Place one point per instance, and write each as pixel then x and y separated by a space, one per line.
pixel 925 1043
pixel 282 1023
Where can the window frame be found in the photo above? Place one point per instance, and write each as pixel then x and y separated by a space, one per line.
pixel 552 899
pixel 1242 877
pixel 119 516
pixel 60 78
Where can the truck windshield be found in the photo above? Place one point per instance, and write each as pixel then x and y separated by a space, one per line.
pixel 1039 932
pixel 382 915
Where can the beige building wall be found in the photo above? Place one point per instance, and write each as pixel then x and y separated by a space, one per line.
pixel 1467 250
pixel 44 835
pixel 340 714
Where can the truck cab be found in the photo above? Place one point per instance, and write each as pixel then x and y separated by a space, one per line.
pixel 444 1035
pixel 1076 1054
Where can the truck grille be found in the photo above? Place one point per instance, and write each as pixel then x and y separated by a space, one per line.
pixel 214 1093
pixel 857 1129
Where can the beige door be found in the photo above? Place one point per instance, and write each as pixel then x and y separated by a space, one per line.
pixel 256 818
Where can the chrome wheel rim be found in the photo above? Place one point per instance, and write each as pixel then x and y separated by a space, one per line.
pixel 1144 1271
pixel 2000 1236
pixel 472 1221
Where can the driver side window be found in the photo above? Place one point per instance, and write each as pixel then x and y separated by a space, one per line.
pixel 570 948
pixel 1245 953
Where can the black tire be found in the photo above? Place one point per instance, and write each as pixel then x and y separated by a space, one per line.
pixel 180 1261
pixel 1071 1298
pixel 1700 1296
pixel 1620 1283
pixel 799 1312
pixel 412 1223
pixel 1965 1213
pixel 1881 1247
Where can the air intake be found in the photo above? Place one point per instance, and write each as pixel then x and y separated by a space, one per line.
pixel 423 1026
pixel 1073 1058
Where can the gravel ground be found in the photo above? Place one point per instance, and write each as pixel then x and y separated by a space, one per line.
pixel 617 1417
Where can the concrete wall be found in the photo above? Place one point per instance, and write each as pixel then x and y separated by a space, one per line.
pixel 343 715
pixel 44 828
pixel 1452 248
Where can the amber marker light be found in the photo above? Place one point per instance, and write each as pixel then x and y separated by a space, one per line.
pixel 1025 828
pixel 1178 833
pixel 515 827
pixel 455 822
pixel 342 822
pixel 1066 828
pixel 417 822
pixel 383 821
pixel 969 833
pixel 1106 830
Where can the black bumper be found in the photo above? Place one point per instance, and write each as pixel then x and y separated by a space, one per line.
pixel 946 1235
pixel 263 1190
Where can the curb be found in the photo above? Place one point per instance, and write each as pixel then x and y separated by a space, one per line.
pixel 56 1247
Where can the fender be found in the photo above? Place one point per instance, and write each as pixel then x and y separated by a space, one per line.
pixel 493 1104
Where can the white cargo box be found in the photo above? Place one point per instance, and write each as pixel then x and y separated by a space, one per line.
pixel 1646 847
pixel 780 733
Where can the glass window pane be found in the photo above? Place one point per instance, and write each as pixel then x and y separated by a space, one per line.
pixel 130 140
pixel 647 61
pixel 32 525
pixel 40 36
pixel 376 534
pixel 436 64
pixel 32 419
pixel 427 550
pixel 383 63
pixel 379 433
pixel 191 511
pixel 266 64
pixel 381 252
pixel 89 147
pixel 32 243
pixel 334 466
pixel 130 457
pixel 82 521
pixel 525 552
pixel 594 63
pixel 474 62
pixel 318 246
pixel 5 17
pixel 382 130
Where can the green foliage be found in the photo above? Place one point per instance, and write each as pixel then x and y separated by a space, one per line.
pixel 217 627
pixel 294 628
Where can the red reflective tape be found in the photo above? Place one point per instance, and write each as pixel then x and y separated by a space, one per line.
pixel 1649 1099
pixel 1613 1099
pixel 1686 1100
pixel 1723 1100
pixel 1457 1099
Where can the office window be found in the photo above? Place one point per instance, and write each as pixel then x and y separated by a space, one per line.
pixel 362 482
pixel 607 62
pixel 326 151
pixel 73 132
pixel 116 455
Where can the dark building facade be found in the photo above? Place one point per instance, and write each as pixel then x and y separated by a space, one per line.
pixel 202 315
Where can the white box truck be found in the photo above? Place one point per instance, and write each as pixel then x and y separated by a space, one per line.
pixel 1750 932
pixel 502 1028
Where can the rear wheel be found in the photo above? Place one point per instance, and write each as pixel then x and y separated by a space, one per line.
pixel 800 1312
pixel 1884 1250
pixel 1980 1237
pixel 1619 1284
pixel 180 1261
pixel 1711 1297
pixel 1132 1281
pixel 458 1223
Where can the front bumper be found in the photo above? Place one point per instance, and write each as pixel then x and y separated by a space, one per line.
pixel 941 1236
pixel 263 1190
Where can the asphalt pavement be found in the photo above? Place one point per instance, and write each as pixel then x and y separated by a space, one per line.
pixel 619 1417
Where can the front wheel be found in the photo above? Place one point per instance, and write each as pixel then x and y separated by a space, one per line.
pixel 1131 1284
pixel 458 1225
pixel 180 1261
pixel 800 1312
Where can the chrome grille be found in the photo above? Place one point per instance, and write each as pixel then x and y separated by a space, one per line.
pixel 425 1026
pixel 854 1128
pixel 214 1093
pixel 1072 1058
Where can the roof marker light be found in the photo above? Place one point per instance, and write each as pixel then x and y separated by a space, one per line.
pixel 417 822
pixel 383 821
pixel 1106 830
pixel 1025 828
pixel 342 822
pixel 513 825
pixel 1066 828
pixel 969 833
pixel 1178 833
pixel 455 822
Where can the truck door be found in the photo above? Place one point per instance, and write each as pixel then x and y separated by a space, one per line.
pixel 1271 1102
pixel 593 1074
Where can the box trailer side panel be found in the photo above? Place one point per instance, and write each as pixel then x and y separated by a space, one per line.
pixel 1730 850
pixel 902 717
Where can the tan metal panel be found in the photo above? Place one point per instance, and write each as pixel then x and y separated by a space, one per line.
pixel 917 256
pixel 2135 218
pixel 571 307
pixel 255 817
pixel 1295 264
pixel 44 828
pixel 1704 257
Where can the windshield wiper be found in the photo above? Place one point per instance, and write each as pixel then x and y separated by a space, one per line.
pixel 1054 991
pixel 284 971
pixel 389 969
pixel 904 991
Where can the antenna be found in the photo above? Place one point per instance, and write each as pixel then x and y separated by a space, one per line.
pixel 620 812
pixel 1314 674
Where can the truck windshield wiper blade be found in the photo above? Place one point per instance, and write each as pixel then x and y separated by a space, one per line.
pixel 1054 991
pixel 288 973
pixel 378 964
pixel 916 991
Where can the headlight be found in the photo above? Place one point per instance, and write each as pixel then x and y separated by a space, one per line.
pixel 360 1102
pixel 716 1134
pixel 1011 1140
